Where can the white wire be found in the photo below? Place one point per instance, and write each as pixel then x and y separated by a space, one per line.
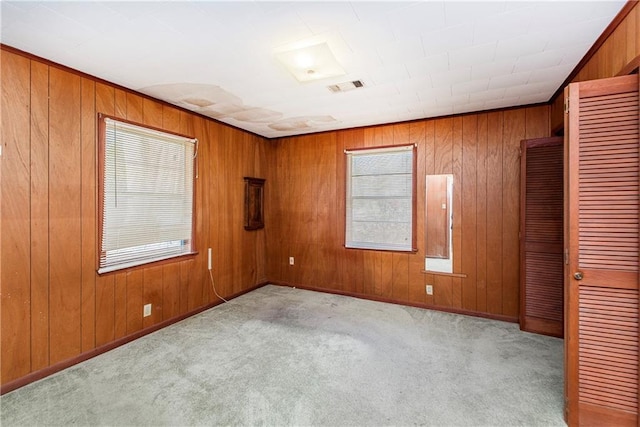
pixel 213 285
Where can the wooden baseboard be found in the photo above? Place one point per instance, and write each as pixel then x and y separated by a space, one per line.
pixel 503 318
pixel 49 370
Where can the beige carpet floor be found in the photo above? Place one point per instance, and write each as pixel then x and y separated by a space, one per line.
pixel 281 356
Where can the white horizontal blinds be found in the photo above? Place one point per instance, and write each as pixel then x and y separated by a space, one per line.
pixel 147 196
pixel 380 199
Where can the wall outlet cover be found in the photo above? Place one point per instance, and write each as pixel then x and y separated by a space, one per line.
pixel 147 310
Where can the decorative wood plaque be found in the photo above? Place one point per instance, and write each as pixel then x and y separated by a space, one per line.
pixel 253 200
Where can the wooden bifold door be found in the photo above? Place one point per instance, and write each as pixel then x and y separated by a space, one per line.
pixel 541 245
pixel 601 237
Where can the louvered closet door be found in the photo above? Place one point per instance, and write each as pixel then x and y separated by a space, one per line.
pixel 602 235
pixel 541 243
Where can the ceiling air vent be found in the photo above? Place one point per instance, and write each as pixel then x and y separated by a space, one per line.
pixel 345 86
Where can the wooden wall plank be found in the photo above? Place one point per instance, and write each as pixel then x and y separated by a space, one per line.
pixel 105 309
pixel 185 277
pixel 135 300
pixel 203 243
pixel 262 155
pixel 514 132
pixel 65 268
pixel 15 329
pixel 120 104
pixel 135 109
pixel 399 277
pixel 537 122
pixel 120 305
pixel 49 202
pixel 494 212
pixel 246 249
pixel 468 249
pixel 481 214
pixel 385 272
pixel 486 198
pixel 236 200
pixel 170 291
pixel 196 126
pixel 105 99
pixel 457 165
pixel 224 216
pixel 152 113
pixel 325 269
pixel 39 175
pixel 89 214
pixel 443 291
pixel 152 294
pixel 632 35
pixel 212 165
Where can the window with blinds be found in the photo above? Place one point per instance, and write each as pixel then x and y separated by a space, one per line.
pixel 380 192
pixel 146 195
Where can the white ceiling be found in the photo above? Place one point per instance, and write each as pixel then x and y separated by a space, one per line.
pixel 416 59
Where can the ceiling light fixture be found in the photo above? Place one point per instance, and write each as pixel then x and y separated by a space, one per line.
pixel 311 63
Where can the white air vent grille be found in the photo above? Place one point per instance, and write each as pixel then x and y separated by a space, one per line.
pixel 346 86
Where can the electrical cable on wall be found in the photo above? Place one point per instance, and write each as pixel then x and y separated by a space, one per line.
pixel 213 284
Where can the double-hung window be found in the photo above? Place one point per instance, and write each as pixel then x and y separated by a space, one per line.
pixel 146 195
pixel 380 190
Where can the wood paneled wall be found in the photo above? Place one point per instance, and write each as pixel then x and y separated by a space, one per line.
pixel 306 198
pixel 618 50
pixel 54 305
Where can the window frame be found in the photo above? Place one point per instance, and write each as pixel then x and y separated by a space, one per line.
pixel 100 177
pixel 414 167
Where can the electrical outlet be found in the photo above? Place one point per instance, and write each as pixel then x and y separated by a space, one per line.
pixel 291 260
pixel 429 289
pixel 147 310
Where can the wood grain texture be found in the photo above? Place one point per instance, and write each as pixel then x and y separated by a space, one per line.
pixel 514 132
pixel 65 226
pixel 469 246
pixel 601 229
pixel 458 192
pixel 88 207
pixel 495 123
pixel 541 244
pixel 120 305
pixel 305 186
pixel 16 272
pixel 39 175
pixel 152 294
pixel 54 305
pixel 471 147
pixel 105 309
pixel 481 213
